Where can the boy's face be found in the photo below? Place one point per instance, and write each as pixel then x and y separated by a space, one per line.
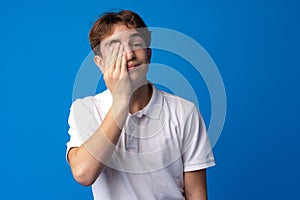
pixel 137 54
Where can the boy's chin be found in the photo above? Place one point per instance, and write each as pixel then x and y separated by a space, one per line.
pixel 138 73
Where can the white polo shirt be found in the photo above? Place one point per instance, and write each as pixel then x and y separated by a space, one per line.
pixel 157 144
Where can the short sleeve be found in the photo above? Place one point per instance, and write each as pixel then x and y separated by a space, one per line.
pixel 197 151
pixel 83 122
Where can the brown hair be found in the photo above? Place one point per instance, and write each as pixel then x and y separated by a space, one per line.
pixel 103 27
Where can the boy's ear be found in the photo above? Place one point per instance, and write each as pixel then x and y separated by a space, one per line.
pixel 99 62
pixel 149 54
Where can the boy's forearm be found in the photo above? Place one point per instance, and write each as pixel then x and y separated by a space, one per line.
pixel 88 160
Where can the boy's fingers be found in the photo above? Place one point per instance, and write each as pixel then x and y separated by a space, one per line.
pixel 108 58
pixel 124 63
pixel 119 59
pixel 112 58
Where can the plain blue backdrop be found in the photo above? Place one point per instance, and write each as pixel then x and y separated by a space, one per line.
pixel 255 45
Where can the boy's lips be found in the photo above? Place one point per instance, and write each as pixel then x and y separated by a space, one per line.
pixel 129 66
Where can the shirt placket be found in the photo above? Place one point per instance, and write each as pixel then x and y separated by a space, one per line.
pixel 132 139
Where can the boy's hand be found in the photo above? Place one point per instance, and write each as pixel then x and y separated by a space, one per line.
pixel 116 75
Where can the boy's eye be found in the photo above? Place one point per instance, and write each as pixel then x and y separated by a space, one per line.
pixel 136 44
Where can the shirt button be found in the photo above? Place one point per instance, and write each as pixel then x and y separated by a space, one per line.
pixel 131 127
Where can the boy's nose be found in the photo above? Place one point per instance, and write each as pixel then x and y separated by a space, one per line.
pixel 129 53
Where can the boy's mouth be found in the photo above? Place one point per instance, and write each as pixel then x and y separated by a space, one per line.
pixel 131 66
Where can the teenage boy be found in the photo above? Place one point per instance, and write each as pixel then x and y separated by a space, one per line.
pixel 133 141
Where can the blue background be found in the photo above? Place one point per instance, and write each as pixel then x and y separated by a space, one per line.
pixel 255 45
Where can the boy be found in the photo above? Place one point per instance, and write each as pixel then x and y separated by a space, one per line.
pixel 134 141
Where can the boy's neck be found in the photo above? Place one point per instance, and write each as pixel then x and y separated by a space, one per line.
pixel 140 98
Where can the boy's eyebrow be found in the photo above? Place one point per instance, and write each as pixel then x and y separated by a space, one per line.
pixel 136 35
pixel 109 43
